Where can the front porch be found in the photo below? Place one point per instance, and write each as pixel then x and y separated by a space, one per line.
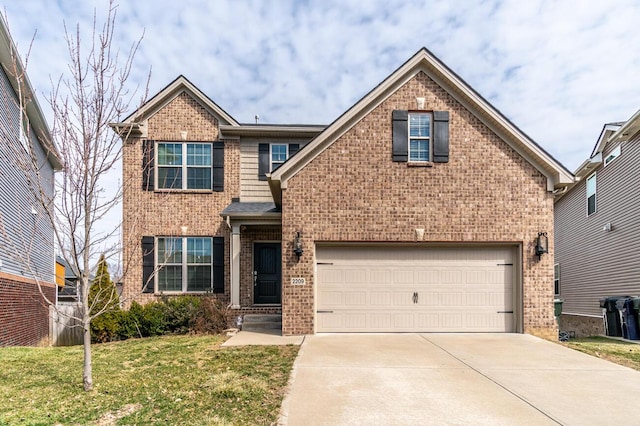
pixel 255 259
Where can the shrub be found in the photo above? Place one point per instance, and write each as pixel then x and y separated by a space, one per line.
pixel 106 327
pixel 211 317
pixel 104 302
pixel 131 322
pixel 181 313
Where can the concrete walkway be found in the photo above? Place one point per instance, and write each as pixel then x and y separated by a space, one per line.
pixel 460 379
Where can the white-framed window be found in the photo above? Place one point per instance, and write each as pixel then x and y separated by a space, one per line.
pixel 278 155
pixel 419 136
pixel 185 264
pixel 183 165
pixel 556 279
pixel 612 155
pixel 591 194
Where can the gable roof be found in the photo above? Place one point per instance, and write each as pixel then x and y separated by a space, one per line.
pixel 9 59
pixel 615 133
pixel 174 89
pixel 424 61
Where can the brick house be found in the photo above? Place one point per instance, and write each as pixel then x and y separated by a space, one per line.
pixel 27 261
pixel 418 209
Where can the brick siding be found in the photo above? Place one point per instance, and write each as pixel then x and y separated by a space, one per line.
pixel 164 214
pixel 24 314
pixel 354 192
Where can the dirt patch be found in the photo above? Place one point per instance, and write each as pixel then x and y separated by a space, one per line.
pixel 109 419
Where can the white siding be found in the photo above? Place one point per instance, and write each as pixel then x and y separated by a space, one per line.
pixel 251 188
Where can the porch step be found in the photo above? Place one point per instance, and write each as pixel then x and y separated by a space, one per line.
pixel 257 322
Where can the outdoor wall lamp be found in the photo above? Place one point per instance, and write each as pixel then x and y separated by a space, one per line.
pixel 542 244
pixel 297 245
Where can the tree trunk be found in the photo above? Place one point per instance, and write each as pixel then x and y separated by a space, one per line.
pixel 87 371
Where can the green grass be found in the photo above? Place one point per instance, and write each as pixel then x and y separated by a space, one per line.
pixel 169 380
pixel 620 352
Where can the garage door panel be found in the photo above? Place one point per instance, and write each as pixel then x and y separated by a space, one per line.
pixel 455 289
pixel 381 298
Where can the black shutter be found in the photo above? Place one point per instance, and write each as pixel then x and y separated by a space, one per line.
pixel 218 166
pixel 263 161
pixel 400 135
pixel 147 164
pixel 441 136
pixel 293 148
pixel 218 264
pixel 147 265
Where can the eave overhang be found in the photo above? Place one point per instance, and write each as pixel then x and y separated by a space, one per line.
pixel 271 130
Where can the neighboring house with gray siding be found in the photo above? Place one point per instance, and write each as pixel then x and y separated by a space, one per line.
pixel 26 235
pixel 597 224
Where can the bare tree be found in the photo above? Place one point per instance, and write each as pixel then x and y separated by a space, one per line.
pixel 84 100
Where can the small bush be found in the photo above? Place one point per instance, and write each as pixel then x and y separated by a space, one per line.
pixel 154 320
pixel 181 313
pixel 211 318
pixel 131 322
pixel 106 327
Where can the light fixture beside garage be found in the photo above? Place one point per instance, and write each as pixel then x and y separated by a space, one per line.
pixel 297 245
pixel 542 244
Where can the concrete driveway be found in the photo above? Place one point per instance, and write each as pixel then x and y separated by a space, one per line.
pixel 491 379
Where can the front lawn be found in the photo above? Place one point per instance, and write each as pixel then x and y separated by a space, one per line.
pixel 620 352
pixel 163 380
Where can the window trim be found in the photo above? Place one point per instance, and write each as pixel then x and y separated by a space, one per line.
pixel 286 157
pixel 184 265
pixel 615 153
pixel 429 138
pixel 594 195
pixel 556 279
pixel 184 167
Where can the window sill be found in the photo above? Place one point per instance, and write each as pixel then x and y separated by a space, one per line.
pixel 185 191
pixel 420 164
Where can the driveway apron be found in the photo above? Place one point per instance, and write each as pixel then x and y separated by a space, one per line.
pixel 459 379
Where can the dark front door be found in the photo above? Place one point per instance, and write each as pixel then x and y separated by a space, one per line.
pixel 267 273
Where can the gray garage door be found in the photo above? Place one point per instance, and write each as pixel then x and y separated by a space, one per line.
pixel 415 289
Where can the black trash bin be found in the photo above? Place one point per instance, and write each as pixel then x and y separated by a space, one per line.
pixel 630 315
pixel 628 318
pixel 612 324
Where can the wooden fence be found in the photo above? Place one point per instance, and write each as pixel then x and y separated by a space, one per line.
pixel 66 331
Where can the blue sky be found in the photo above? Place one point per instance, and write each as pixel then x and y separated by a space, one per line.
pixel 558 69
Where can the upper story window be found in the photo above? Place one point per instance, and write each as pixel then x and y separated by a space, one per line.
pixel 185 264
pixel 273 155
pixel 180 166
pixel 419 136
pixel 184 166
pixel 279 154
pixel 612 155
pixel 591 194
